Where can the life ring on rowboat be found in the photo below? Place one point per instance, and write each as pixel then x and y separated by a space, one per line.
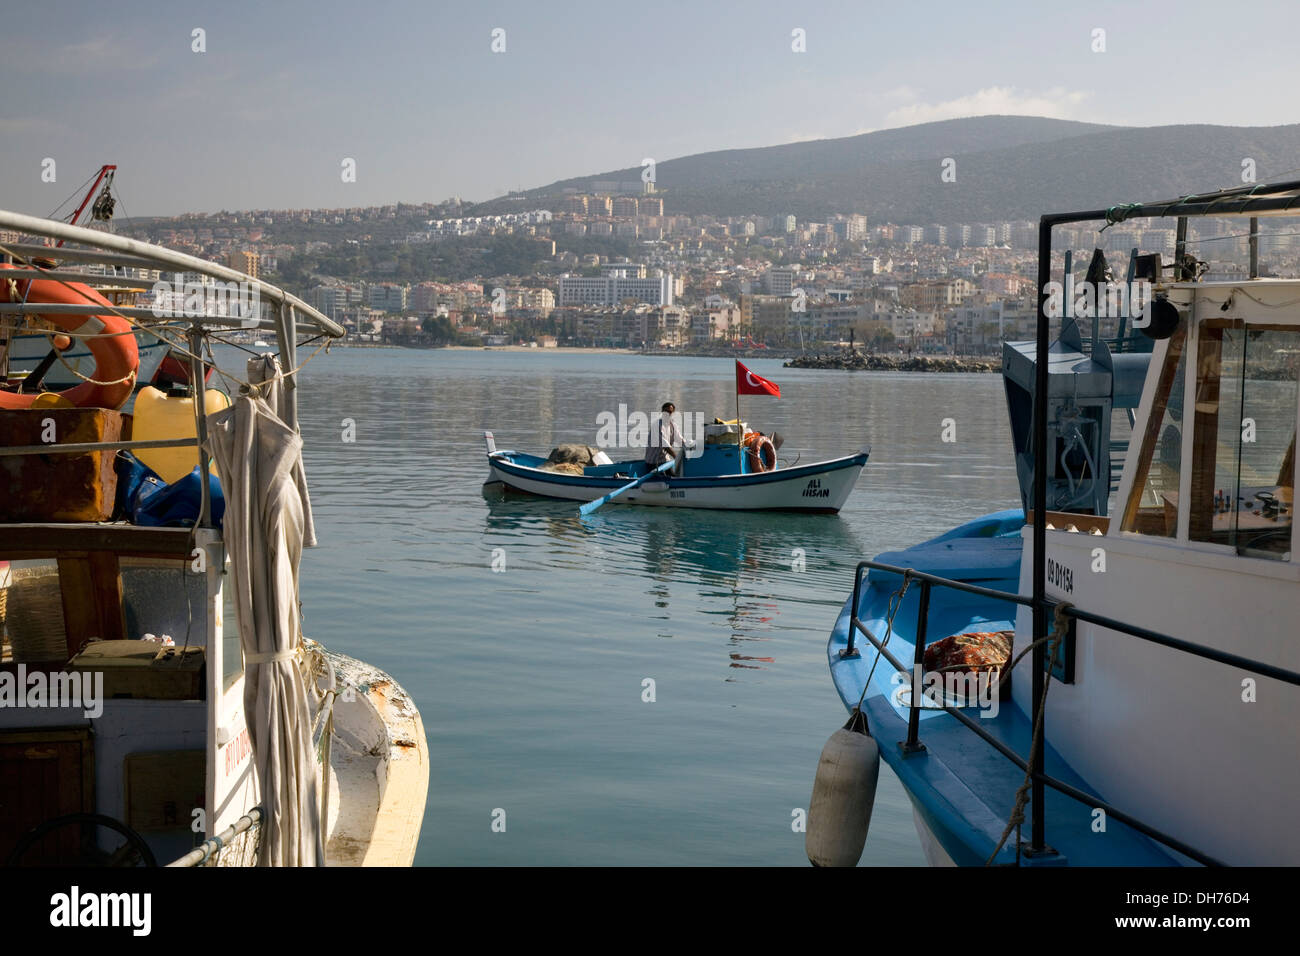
pixel 117 360
pixel 760 453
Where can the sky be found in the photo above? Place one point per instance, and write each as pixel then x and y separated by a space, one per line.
pixel 283 93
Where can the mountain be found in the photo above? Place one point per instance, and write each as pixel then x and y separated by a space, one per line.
pixel 1007 167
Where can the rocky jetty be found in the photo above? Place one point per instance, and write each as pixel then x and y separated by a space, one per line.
pixel 851 360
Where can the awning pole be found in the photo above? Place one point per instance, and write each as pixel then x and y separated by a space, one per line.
pixel 1038 817
pixel 198 390
pixel 1254 247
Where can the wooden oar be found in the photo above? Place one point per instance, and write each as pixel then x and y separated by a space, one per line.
pixel 591 506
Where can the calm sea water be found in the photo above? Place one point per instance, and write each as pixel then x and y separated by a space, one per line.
pixel 531 679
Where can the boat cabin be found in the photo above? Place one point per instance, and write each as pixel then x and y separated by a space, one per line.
pixel 1215 470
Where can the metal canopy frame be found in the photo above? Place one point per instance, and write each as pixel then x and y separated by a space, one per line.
pixel 132 252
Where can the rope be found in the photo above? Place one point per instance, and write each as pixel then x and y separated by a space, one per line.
pixel 892 607
pixel 1115 214
pixel 128 377
pixel 1022 794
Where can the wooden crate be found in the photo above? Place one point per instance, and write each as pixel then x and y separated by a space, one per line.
pixel 58 487
pixel 144 670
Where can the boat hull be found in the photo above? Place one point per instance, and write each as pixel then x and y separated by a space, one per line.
pixel 822 487
pixel 961 790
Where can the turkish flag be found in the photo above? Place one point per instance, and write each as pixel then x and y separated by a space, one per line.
pixel 747 383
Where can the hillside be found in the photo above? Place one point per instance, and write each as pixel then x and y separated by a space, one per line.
pixel 1007 167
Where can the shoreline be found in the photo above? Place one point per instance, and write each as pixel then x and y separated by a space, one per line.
pixel 836 361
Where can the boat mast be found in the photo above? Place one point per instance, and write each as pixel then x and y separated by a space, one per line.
pixel 105 175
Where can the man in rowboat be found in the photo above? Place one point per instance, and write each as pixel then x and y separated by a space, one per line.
pixel 664 438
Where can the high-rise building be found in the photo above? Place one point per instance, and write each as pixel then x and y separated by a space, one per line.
pixel 612 290
pixel 779 280
pixel 387 296
pixel 246 262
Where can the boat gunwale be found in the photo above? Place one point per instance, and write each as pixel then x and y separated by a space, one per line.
pixel 502 460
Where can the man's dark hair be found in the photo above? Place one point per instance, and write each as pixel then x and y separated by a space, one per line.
pixel 667 407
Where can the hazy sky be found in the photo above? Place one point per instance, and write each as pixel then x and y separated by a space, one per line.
pixel 414 93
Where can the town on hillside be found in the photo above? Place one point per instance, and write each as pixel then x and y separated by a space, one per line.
pixel 621 270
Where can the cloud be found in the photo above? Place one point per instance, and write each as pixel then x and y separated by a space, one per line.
pixel 1057 103
pixel 30 126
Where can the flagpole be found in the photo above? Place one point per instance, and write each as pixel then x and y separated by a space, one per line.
pixel 740 430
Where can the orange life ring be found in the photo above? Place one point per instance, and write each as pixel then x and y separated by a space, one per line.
pixel 760 453
pixel 116 357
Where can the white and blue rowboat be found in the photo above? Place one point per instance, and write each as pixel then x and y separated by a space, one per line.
pixel 718 478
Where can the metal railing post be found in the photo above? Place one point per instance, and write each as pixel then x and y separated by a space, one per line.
pixel 849 650
pixel 1039 504
pixel 913 744
pixel 198 392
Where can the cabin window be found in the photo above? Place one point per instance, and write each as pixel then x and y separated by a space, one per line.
pixel 1153 503
pixel 1243 457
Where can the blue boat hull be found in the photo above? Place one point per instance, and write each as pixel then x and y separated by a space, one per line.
pixel 961 788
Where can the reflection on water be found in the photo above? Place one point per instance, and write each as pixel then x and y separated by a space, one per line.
pixel 721 564
pixel 530 676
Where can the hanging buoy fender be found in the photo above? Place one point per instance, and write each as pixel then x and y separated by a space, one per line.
pixel 844 792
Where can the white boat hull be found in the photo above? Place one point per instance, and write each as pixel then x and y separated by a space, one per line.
pixel 820 487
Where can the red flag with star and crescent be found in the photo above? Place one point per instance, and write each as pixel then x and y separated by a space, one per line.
pixel 747 383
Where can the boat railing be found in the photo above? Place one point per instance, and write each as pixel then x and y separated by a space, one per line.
pixel 210 847
pixel 1035 763
pixel 279 311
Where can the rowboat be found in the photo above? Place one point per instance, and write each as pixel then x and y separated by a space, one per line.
pixel 721 474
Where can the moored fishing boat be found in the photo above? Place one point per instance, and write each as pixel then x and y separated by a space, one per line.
pixel 158 699
pixel 1094 690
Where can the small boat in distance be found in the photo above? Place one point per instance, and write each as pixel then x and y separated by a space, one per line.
pixel 734 471
pixel 731 468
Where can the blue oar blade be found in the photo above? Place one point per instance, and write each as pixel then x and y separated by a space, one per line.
pixel 591 506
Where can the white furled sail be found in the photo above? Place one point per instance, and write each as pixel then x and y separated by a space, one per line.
pixel 267 523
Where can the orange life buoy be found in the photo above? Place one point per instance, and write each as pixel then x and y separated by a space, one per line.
pixel 116 357
pixel 760 453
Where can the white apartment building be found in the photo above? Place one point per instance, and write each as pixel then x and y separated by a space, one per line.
pixel 780 280
pixel 614 289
